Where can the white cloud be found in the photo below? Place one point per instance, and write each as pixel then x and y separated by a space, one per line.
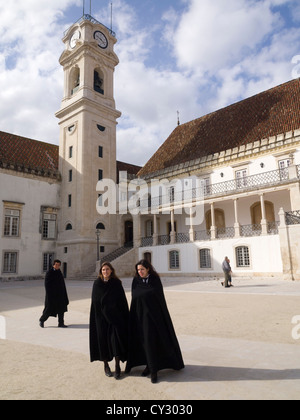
pixel 31 78
pixel 214 34
pixel 224 51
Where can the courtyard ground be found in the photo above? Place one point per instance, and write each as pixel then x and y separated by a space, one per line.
pixel 237 343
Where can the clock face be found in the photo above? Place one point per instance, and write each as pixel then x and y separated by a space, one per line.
pixel 74 38
pixel 101 39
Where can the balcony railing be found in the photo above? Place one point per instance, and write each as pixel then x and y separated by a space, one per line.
pixel 221 233
pixel 292 218
pixel 243 184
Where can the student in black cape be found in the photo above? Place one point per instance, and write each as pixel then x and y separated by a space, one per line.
pixel 152 339
pixel 109 320
pixel 56 301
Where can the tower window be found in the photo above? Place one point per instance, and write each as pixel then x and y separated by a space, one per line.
pixel 70 175
pixel 70 152
pixel 98 82
pixel 75 80
pixel 101 128
pixel 100 152
pixel 100 226
pixel 69 200
pixel 100 175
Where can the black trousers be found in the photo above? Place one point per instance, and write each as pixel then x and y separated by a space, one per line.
pixel 45 316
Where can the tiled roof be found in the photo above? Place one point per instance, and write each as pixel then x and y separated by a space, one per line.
pixel 131 170
pixel 32 156
pixel 25 154
pixel 267 114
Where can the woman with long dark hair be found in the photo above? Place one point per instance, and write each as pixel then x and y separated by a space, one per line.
pixel 109 320
pixel 152 338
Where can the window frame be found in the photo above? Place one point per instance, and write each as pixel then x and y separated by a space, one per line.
pixel 177 261
pixel 9 271
pixel 243 264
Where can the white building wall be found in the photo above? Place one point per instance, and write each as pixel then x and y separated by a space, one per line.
pixel 265 257
pixel 32 192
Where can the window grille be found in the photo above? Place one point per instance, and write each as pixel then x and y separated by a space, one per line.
pixel 174 260
pixel 10 262
pixel 205 258
pixel 243 256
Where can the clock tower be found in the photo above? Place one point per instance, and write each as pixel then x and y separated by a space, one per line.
pixel 87 147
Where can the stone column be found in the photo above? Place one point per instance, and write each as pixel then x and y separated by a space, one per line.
pixel 173 233
pixel 237 227
pixel 264 224
pixel 213 222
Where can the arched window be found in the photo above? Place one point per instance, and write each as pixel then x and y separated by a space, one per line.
pixel 256 213
pixel 148 257
pixel 98 81
pixel 100 226
pixel 69 226
pixel 74 80
pixel 219 218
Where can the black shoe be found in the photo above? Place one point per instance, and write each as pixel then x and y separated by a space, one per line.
pixel 107 371
pixel 118 373
pixel 42 324
pixel 62 326
pixel 154 378
pixel 146 372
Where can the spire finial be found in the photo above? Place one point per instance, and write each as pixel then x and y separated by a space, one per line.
pixel 178 118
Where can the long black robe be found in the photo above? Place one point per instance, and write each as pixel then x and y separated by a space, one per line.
pixel 108 321
pixel 152 338
pixel 56 300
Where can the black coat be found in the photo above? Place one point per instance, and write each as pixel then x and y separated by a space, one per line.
pixel 152 339
pixel 56 301
pixel 108 321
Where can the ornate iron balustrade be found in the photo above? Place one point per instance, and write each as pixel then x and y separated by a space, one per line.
pixel 225 232
pixel 222 233
pixel 203 235
pixel 292 217
pixel 228 187
pixel 248 182
pixel 182 238
pixel 147 242
pixel 251 230
pixel 93 20
pixel 273 228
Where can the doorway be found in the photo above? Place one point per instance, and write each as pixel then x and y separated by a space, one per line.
pixel 128 232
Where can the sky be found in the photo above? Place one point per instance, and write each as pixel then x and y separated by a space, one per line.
pixel 191 56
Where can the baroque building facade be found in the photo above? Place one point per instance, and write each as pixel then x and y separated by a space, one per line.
pixel 226 184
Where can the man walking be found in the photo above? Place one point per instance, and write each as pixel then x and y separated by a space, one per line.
pixel 56 301
pixel 227 272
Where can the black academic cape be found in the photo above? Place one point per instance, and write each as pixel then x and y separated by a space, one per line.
pixel 56 301
pixel 108 321
pixel 152 339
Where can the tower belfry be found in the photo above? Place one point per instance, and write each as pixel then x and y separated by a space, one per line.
pixel 87 148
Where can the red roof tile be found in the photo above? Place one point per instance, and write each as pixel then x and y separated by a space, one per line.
pixel 24 152
pixel 267 114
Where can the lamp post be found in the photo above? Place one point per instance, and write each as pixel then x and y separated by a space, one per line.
pixel 98 244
